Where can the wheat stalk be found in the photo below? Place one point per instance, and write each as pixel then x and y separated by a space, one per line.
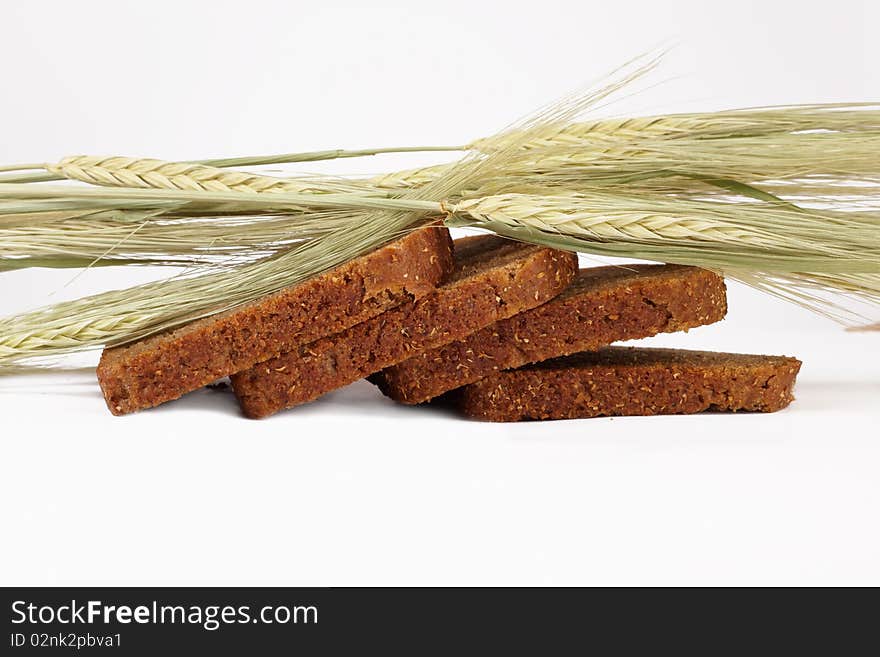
pixel 795 254
pixel 726 237
pixel 154 238
pixel 123 315
pixel 761 144
pixel 750 145
pixel 41 172
pixel 771 238
pixel 835 117
pixel 653 188
pixel 409 178
pixel 159 174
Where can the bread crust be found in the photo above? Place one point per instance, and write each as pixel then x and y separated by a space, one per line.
pixel 493 278
pixel 602 305
pixel 168 365
pixel 632 381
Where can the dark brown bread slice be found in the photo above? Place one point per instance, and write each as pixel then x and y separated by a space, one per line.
pixel 493 278
pixel 632 381
pixel 602 305
pixel 165 366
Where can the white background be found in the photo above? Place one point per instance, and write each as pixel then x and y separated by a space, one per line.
pixel 353 489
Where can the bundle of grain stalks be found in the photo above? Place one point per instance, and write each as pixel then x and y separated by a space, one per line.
pixel 782 198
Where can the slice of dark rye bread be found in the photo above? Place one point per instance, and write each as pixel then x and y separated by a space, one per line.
pixel 493 278
pixel 602 305
pixel 631 381
pixel 163 367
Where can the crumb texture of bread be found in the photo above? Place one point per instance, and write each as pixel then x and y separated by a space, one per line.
pixel 166 366
pixel 616 381
pixel 603 305
pixel 493 278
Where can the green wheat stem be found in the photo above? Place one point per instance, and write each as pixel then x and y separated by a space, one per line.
pixel 246 161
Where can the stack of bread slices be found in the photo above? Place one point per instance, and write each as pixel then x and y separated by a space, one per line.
pixel 504 331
